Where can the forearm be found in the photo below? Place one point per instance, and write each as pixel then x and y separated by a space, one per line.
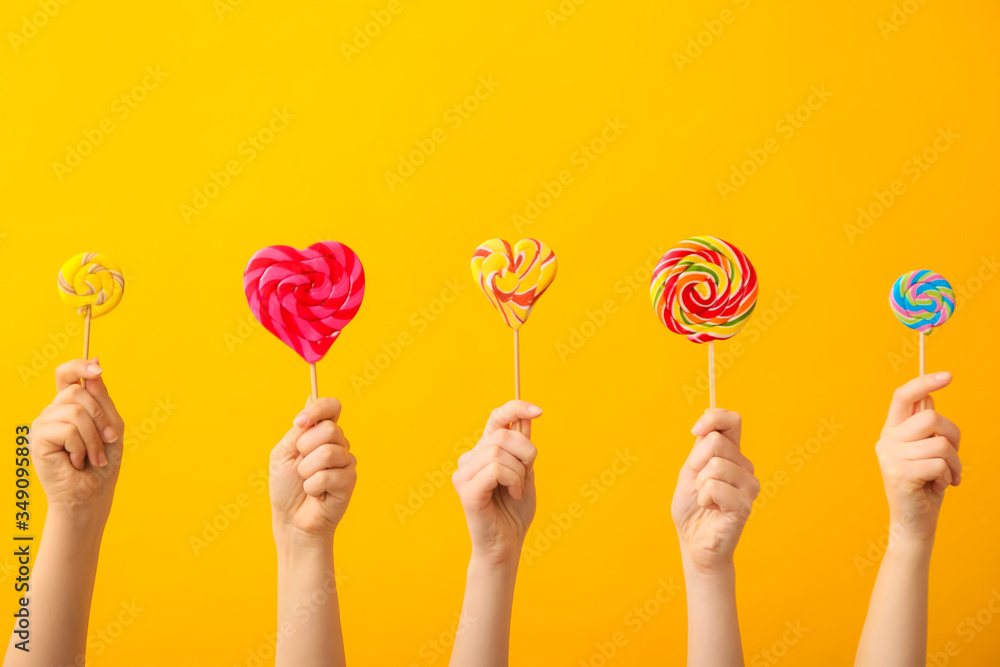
pixel 713 624
pixel 895 632
pixel 483 637
pixel 60 593
pixel 308 609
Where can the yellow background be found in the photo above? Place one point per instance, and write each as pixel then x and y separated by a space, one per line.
pixel 829 355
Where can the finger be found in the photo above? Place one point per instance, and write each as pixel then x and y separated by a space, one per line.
pixel 905 396
pixel 926 424
pixel 480 487
pixel 73 371
pixel 935 472
pixel 322 458
pixel 513 442
pixel 336 481
pixel 510 412
pixel 935 448
pixel 716 444
pixel 325 432
pixel 726 471
pixel 726 422
pixel 74 414
pixel 716 494
pixel 74 394
pixel 99 390
pixel 53 436
pixel 484 456
pixel 316 411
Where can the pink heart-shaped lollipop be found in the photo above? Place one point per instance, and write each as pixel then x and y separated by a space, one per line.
pixel 305 297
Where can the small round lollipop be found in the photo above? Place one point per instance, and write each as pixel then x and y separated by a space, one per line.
pixel 922 300
pixel 704 289
pixel 93 284
pixel 513 279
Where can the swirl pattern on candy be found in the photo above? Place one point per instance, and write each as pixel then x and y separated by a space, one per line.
pixel 704 289
pixel 922 300
pixel 513 278
pixel 305 297
pixel 91 280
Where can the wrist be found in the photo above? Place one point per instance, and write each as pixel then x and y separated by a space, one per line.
pixel 488 562
pixel 81 527
pixel 716 568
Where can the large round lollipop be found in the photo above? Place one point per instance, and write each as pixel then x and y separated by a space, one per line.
pixel 922 300
pixel 704 289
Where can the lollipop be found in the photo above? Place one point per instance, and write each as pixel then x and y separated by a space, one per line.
pixel 305 297
pixel 922 300
pixel 512 280
pixel 93 284
pixel 704 289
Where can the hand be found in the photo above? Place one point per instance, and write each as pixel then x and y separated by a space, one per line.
pixel 715 493
pixel 76 444
pixel 495 481
pixel 312 475
pixel 918 455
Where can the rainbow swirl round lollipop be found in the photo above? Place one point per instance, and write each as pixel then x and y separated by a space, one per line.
pixel 704 289
pixel 922 300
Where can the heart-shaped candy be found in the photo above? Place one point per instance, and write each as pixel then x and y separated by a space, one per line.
pixel 305 297
pixel 513 279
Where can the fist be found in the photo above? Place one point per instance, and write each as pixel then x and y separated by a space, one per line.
pixel 495 481
pixel 312 474
pixel 715 492
pixel 76 442
pixel 918 455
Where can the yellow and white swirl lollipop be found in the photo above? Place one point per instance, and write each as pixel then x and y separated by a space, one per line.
pixel 93 284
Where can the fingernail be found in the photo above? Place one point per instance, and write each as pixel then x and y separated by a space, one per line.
pixel 94 368
pixel 534 410
pixel 109 435
pixel 696 429
pixel 942 376
pixel 102 460
pixel 300 420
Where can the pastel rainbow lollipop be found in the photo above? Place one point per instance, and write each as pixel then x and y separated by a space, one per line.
pixel 93 284
pixel 513 278
pixel 922 300
pixel 704 289
pixel 305 297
